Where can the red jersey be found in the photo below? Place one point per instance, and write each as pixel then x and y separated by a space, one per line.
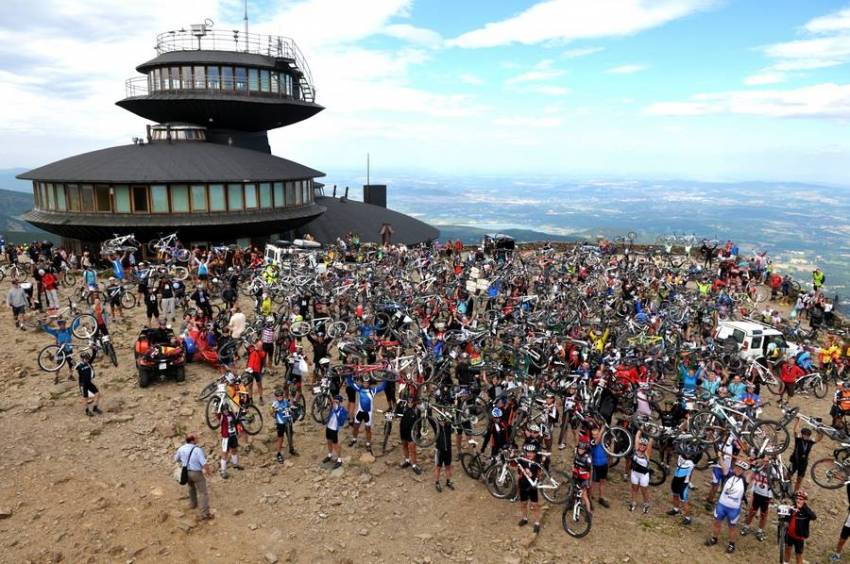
pixel 255 360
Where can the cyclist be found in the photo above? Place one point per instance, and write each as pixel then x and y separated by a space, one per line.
pixel 64 340
pixel 282 411
pixel 798 527
pixel 442 453
pixel 229 428
pixel 365 396
pixel 789 374
pixel 256 356
pixel 529 470
pixel 599 458
pixel 337 418
pixel 267 338
pixel 799 460
pixel 681 483
pixel 720 468
pixel 89 394
pixel 728 507
pixel 640 472
pixel 582 464
pixel 761 498
pixel 113 293
pixel 409 413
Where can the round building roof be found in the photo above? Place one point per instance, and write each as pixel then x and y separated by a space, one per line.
pixel 176 162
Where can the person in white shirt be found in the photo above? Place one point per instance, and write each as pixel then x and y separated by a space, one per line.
pixel 237 323
pixel 728 507
pixel 194 459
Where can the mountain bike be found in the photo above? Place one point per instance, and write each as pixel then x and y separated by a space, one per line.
pixel 120 244
pixel 247 413
pixel 783 514
pixel 334 329
pixel 764 435
pixel 83 325
pixel 576 519
pixel 320 407
pixel 389 417
pixel 168 246
pixel 14 270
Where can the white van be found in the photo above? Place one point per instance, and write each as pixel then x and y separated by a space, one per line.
pixel 752 338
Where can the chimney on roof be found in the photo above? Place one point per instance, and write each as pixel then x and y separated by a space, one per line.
pixel 375 194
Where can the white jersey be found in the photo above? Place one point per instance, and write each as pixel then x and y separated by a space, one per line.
pixel 760 484
pixel 733 491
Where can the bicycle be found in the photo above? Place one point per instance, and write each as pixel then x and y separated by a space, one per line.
pixel 169 246
pixel 334 329
pixel 576 519
pixel 83 325
pixel 783 514
pixel 246 412
pixel 14 270
pixel 766 435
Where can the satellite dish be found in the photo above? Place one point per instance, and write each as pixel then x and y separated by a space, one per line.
pixel 208 22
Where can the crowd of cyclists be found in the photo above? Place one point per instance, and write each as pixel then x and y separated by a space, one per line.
pixel 543 371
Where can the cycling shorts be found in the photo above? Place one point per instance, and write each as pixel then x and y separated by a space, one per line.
pixel 363 417
pixel 680 488
pixel 716 475
pixel 527 492
pixel 724 513
pixel 798 544
pixel 600 473
pixel 228 443
pixel 88 390
pixel 351 393
pixel 761 503
pixel 640 479
pixel 406 431
pixel 442 457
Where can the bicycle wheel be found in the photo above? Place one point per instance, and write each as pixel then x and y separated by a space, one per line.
pixel 774 386
pixel 576 520
pixel 559 494
pixel 382 321
pixel 337 329
pixel 211 412
pixel 657 473
pixel 617 441
pixel 424 431
pixel 252 420
pixel 471 464
pixel 301 328
pixel 829 474
pixel 704 426
pixel 780 538
pixel 2 274
pixel 500 481
pixel 110 351
pixel 769 437
pixel 68 279
pixel 179 272
pixel 84 326
pixel 208 390
pixel 818 386
pixel 181 255
pixel 51 358
pixel 320 408
pixel 128 300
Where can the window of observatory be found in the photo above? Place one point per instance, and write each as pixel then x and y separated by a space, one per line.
pixel 265 195
pixel 253 80
pixel 180 198
pixel 234 197
pixel 279 200
pixel 199 198
pixel 217 202
pixel 122 199
pixel 60 197
pixel 213 81
pixel 187 77
pixel 200 78
pixel 104 202
pixel 159 198
pixel 250 196
pixel 241 78
pixel 140 199
pixel 265 81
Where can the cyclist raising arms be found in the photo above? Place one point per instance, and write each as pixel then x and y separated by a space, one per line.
pixel 64 340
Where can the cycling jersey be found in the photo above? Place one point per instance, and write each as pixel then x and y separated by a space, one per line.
pixel 282 413
pixel 733 490
pixel 365 395
pixel 581 466
pixel 684 469
pixel 761 485
pixel 337 418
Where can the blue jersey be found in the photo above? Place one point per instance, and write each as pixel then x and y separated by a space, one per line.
pixel 337 418
pixel 282 413
pixel 63 336
pixel 118 269
pixel 365 394
pixel 598 456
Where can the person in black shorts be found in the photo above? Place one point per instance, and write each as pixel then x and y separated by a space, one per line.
pixel 529 470
pixel 408 412
pixel 89 393
pixel 845 532
pixel 799 461
pixel 798 527
pixel 443 454
pixel 151 302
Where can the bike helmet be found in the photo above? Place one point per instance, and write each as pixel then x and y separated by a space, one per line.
pixel 230 378
pixel 688 449
pixel 61 321
pixel 270 319
pixel 583 445
pixel 643 441
pixel 530 447
pixel 743 465
pixel 496 412
pixel 534 428
pixel 324 361
pixel 801 494
pixel 278 392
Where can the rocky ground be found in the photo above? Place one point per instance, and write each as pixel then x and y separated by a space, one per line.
pixel 79 489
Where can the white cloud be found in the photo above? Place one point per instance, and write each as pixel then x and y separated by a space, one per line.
pixel 581 52
pixel 764 78
pixel 826 101
pixel 468 78
pixel 535 122
pixel 541 71
pixel 412 34
pixel 626 69
pixel 567 20
pixel 548 90
pixel 828 45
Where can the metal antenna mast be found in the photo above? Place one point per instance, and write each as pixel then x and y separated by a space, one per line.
pixel 367 170
pixel 246 26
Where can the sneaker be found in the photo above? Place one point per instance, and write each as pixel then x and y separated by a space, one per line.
pixel 536 528
pixel 280 459
pixel 760 535
pixel 730 548
pixel 604 503
pixel 835 557
pixel 711 541
pixel 745 530
pixel 237 466
pixel 673 511
pixel 632 506
pixel 438 487
pixel 645 508
pixel 293 452
pixel 450 485
pixel 686 520
pixel 369 447
pixel 337 464
pixel 352 442
pixel 562 446
pixel 96 409
pixel 523 522
pixel 417 470
pixel 223 474
pixel 405 464
pixel 89 413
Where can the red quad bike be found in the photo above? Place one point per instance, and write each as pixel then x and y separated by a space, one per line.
pixel 159 355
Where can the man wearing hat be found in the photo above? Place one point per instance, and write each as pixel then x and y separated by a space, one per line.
pixel 194 459
pixel 337 418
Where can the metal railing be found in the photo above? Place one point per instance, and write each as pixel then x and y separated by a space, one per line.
pixel 140 86
pixel 234 40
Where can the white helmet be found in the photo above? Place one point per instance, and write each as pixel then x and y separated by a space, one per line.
pixel 324 361
pixel 270 319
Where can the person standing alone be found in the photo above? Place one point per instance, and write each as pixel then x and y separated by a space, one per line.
pixel 192 457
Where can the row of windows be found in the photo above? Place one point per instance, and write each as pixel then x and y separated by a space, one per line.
pixel 240 79
pixel 171 198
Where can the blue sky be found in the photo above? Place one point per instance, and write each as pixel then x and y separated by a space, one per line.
pixel 698 89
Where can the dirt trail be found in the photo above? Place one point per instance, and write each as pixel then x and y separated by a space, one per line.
pixel 78 489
